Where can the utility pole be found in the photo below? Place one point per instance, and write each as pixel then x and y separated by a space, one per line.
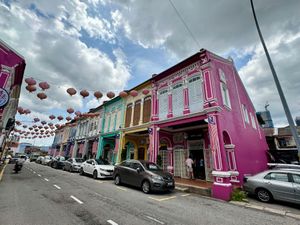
pixel 283 100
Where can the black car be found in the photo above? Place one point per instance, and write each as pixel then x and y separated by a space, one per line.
pixel 144 174
pixel 58 162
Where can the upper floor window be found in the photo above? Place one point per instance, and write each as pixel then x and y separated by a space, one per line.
pixel 137 112
pixel 163 104
pixel 253 121
pixel 128 115
pixel 195 94
pixel 147 109
pixel 246 116
pixel 224 89
pixel 177 99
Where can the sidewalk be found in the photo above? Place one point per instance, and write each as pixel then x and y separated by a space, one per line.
pixel 2 168
pixel 193 186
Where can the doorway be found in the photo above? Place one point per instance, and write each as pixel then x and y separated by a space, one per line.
pixel 141 153
pixel 197 154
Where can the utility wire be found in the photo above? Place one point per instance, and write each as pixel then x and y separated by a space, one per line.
pixel 185 25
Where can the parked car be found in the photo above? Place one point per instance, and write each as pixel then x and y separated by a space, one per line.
pixel 46 160
pixel 143 174
pixel 97 167
pixel 277 184
pixel 33 157
pixel 58 162
pixel 13 160
pixel 73 164
pixel 39 159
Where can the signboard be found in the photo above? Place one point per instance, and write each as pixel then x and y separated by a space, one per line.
pixel 4 98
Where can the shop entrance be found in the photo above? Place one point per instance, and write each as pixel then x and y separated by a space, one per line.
pixel 141 153
pixel 196 153
pixel 108 152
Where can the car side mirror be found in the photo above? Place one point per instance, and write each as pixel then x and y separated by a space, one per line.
pixel 138 170
pixel 93 163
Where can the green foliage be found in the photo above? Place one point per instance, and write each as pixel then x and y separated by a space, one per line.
pixel 238 195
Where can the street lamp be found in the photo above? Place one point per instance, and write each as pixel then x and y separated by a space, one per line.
pixel 283 100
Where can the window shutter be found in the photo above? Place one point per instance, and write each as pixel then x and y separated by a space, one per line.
pixel 128 115
pixel 137 113
pixel 147 110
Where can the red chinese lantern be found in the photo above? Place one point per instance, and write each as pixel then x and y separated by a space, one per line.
pixel 43 122
pixel 30 128
pixel 98 94
pixel 71 91
pixel 18 123
pixel 44 85
pixel 40 127
pixel 36 119
pixel 32 133
pixel 57 126
pixel 52 117
pixel 110 94
pixel 77 113
pixel 123 94
pixel 34 126
pixel 27 111
pixel 70 110
pixel 133 93
pixel 50 124
pixel 46 127
pixel 68 118
pixel 24 126
pixel 84 93
pixel 41 95
pixel 30 88
pixel 30 81
pixel 20 110
pixel 60 118
pixel 36 130
pixel 145 91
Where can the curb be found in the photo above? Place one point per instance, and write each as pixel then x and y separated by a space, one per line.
pixel 267 209
pixel 2 171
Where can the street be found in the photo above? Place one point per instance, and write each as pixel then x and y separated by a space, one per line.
pixel 42 195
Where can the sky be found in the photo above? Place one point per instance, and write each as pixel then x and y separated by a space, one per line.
pixel 105 45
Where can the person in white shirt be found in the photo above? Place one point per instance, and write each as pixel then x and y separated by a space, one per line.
pixel 189 164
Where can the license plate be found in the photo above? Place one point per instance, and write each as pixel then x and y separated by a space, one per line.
pixel 170 184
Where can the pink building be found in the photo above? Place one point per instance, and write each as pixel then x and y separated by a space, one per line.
pixel 201 109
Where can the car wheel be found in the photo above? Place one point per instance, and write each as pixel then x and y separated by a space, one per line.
pixel 264 195
pixel 146 187
pixel 71 169
pixel 95 174
pixel 117 180
pixel 56 166
pixel 81 172
pixel 64 168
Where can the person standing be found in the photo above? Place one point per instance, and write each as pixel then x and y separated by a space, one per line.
pixel 189 164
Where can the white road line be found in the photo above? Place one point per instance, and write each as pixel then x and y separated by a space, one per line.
pixel 76 199
pixel 156 220
pixel 112 222
pixel 123 189
pixel 58 187
pixel 46 179
pixel 39 175
pixel 185 195
pixel 34 172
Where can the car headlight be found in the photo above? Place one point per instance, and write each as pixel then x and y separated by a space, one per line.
pixel 157 178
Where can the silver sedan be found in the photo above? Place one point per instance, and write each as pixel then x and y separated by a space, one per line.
pixel 276 184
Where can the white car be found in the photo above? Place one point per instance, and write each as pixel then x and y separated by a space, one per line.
pixel 97 167
pixel 46 160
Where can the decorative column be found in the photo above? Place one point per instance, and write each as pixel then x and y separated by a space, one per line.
pixel 116 150
pixel 232 166
pixel 208 85
pixel 186 103
pixel 170 103
pixel 153 143
pixel 141 112
pixel 100 148
pixel 132 114
pixel 154 103
pixel 222 187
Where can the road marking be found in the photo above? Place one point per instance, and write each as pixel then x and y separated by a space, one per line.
pixel 46 179
pixel 39 175
pixel 100 182
pixel 58 187
pixel 34 172
pixel 112 222
pixel 185 195
pixel 76 199
pixel 162 199
pixel 156 220
pixel 123 189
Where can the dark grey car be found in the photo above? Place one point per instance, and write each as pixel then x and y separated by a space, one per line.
pixel 277 184
pixel 143 174
pixel 73 164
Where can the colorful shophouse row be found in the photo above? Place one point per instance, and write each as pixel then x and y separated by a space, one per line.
pixel 197 108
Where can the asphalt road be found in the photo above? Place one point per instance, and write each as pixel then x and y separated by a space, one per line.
pixel 41 195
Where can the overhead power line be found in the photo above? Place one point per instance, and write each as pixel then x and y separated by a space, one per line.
pixel 185 25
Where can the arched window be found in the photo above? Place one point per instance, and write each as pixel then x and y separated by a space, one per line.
pixel 224 89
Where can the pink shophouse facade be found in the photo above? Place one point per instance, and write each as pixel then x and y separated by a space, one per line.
pixel 201 109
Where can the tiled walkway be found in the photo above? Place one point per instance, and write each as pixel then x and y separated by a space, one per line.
pixel 194 183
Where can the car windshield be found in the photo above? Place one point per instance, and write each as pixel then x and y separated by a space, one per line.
pixel 102 162
pixel 79 160
pixel 151 166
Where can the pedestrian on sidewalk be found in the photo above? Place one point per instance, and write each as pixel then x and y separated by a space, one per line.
pixel 189 164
